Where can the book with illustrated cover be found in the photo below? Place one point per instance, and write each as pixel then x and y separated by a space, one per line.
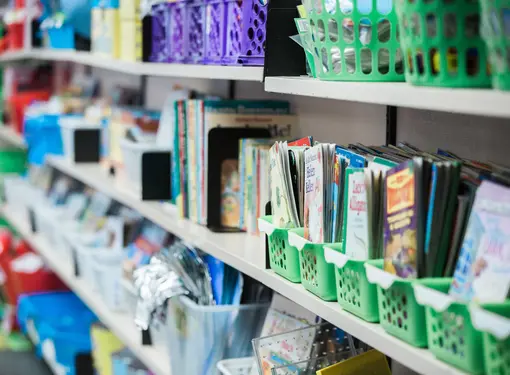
pixel 230 199
pixel 339 165
pixel 355 220
pixel 483 268
pixel 314 195
pixel 281 195
pixel 401 221
pixel 192 108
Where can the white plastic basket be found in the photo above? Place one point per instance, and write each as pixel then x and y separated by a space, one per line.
pixel 15 191
pixel 132 156
pixel 236 366
pixel 107 269
pixel 194 334
pixel 130 297
pixel 68 125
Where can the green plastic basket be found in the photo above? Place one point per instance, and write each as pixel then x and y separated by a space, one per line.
pixel 452 337
pixel 442 43
pixel 493 320
pixel 354 293
pixel 283 258
pixel 344 40
pixel 497 40
pixel 317 276
pixel 13 161
pixel 399 313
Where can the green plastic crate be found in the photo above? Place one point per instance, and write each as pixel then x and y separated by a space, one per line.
pixel 451 335
pixel 354 293
pixel 341 51
pixel 497 40
pixel 317 276
pixel 283 258
pixel 399 313
pixel 493 320
pixel 442 44
pixel 13 161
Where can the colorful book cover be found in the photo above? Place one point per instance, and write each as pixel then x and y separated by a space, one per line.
pixel 354 160
pixel 230 198
pixel 280 206
pixel 242 181
pixel 176 174
pixel 183 166
pixel 400 222
pixel 314 195
pixel 483 269
pixel 337 196
pixel 191 157
pixel 201 157
pixel 355 241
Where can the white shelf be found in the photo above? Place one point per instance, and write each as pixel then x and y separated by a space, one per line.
pixel 156 359
pixel 8 135
pixel 482 102
pixel 240 251
pixel 240 73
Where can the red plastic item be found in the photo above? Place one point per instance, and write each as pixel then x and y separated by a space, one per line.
pixel 18 104
pixel 6 255
pixel 15 33
pixel 19 4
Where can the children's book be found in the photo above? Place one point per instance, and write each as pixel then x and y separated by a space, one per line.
pixel 230 198
pixel 483 267
pixel 401 221
pixel 192 114
pixel 355 243
pixel 314 195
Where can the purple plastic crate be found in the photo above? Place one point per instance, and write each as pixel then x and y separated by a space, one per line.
pixel 160 33
pixel 178 31
pixel 196 31
pixel 216 31
pixel 246 32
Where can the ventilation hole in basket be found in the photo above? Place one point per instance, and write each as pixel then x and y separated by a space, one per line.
pixel 434 61
pixel 399 320
pixel 434 341
pixel 454 348
pixel 415 25
pixel 383 59
pixel 405 25
pixel 365 31
pixel 366 60
pixel 383 30
pixel 256 22
pixel 399 62
pixel 388 316
pixel 452 61
pixel 431 24
pixel 321 30
pixel 450 25
pixel 348 30
pixel 260 34
pixel 472 62
pixel 404 300
pixel 420 64
pixel 333 30
pixel 350 60
pixel 472 25
pixel 440 342
pixel 251 33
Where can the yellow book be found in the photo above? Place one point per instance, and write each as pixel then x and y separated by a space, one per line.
pixel 369 363
pixel 104 345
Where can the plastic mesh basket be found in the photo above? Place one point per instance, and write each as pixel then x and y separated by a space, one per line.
pixel 160 45
pixel 354 293
pixel 496 33
pixel 442 44
pixel 196 31
pixel 451 335
pixel 216 29
pixel 283 258
pixel 177 31
pixel 246 32
pixel 356 41
pixel 236 366
pixel 493 320
pixel 317 275
pixel 399 313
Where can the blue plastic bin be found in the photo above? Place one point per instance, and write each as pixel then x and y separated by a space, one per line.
pixel 61 37
pixel 62 318
pixel 42 135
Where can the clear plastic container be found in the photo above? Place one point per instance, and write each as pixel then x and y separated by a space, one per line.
pixel 200 336
pixel 130 297
pixel 236 366
pixel 107 269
